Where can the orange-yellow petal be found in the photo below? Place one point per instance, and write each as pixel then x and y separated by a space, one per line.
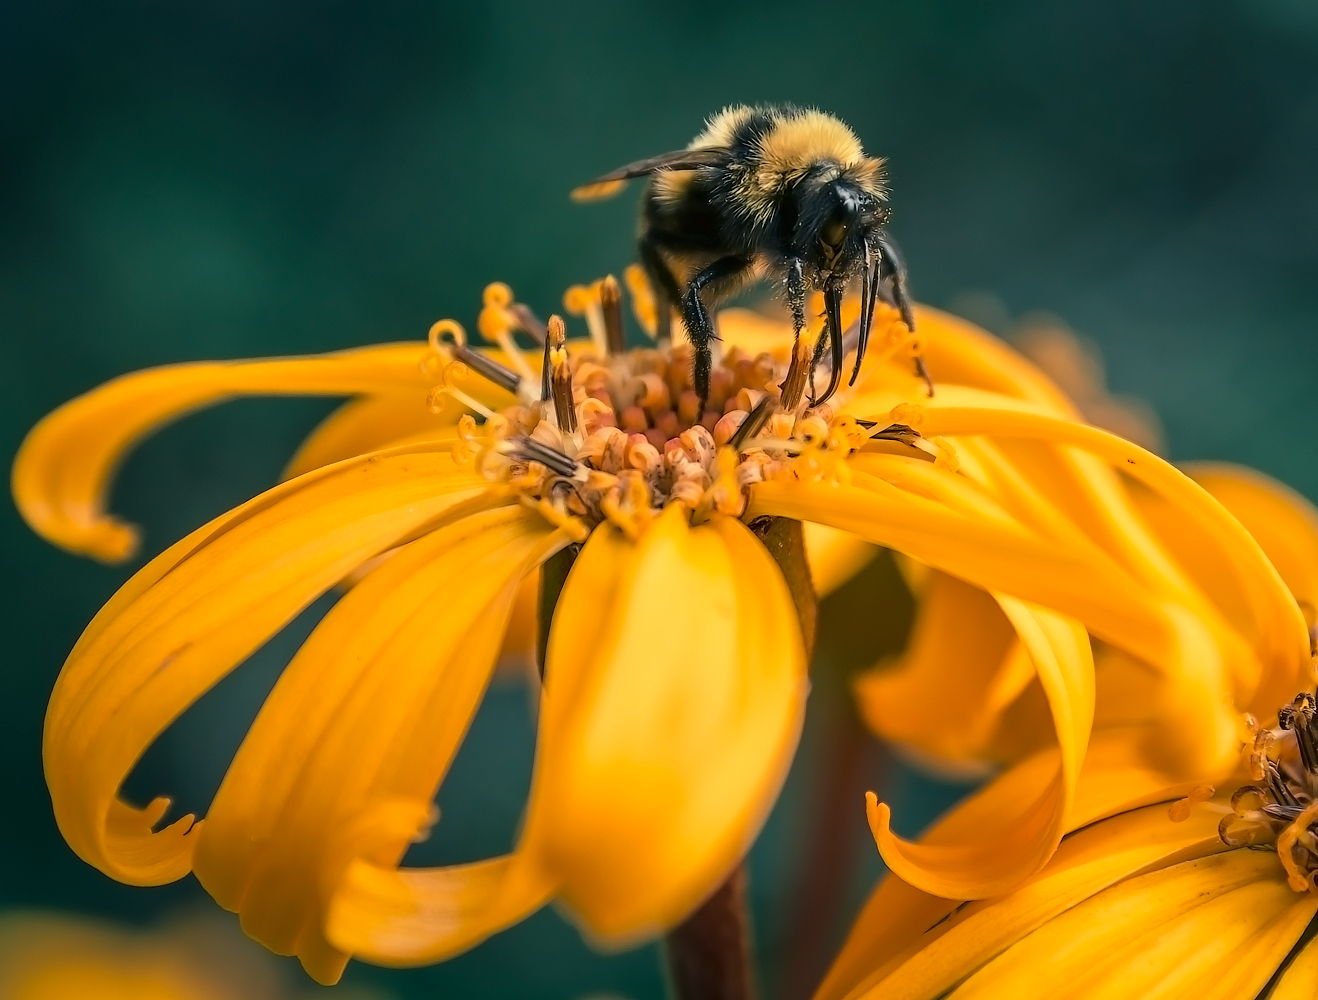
pixel 676 725
pixel 345 756
pixel 1280 634
pixel 907 945
pixel 961 671
pixel 196 611
pixel 1284 524
pixel 1214 927
pixel 1017 838
pixel 62 473
pixel 992 551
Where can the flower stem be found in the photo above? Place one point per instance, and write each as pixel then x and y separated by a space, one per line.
pixel 553 574
pixel 711 954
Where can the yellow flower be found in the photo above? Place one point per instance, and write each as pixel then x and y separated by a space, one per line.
pixel 1220 633
pixel 1148 902
pixel 51 956
pixel 675 673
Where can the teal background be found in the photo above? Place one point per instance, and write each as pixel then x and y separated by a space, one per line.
pixel 281 177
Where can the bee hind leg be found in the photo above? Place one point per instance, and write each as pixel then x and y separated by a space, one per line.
pixel 721 276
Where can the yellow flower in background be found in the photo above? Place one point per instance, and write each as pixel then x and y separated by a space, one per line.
pixel 1212 897
pixel 1136 904
pixel 675 673
pixel 54 956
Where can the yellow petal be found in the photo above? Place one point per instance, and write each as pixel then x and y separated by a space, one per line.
pixel 1212 927
pixel 678 720
pixel 993 552
pixel 896 952
pixel 1284 524
pixel 1280 632
pixel 192 614
pixel 382 419
pixel 61 476
pixel 346 754
pixel 834 556
pixel 1299 981
pixel 406 916
pixel 369 423
pixel 960 352
pixel 962 662
pixel 1019 838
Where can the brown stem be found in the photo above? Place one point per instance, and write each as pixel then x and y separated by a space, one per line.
pixel 710 954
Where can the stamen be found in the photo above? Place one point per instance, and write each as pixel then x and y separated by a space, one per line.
pixel 1180 809
pixel 497 322
pixel 800 369
pixel 504 378
pixel 611 306
pixel 1299 717
pixel 559 375
pixel 528 449
pixel 584 300
pixel 456 372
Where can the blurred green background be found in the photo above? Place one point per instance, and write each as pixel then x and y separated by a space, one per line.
pixel 282 177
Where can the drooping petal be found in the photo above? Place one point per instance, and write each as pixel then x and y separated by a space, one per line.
pixel 993 552
pixel 1284 524
pixel 900 949
pixel 1019 837
pixel 369 423
pixel 673 730
pixel 345 756
pixel 192 614
pixel 961 671
pixel 1215 927
pixel 1280 631
pixel 62 472
pixel 408 916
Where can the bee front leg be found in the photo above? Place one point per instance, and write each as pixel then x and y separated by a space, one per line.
pixel 723 274
pixel 796 294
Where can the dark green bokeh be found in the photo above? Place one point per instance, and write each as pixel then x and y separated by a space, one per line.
pixel 252 179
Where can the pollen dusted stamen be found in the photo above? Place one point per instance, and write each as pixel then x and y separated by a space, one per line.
pixel 611 306
pixel 1281 808
pixel 560 375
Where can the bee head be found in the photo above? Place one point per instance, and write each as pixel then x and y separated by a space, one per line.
pixel 835 217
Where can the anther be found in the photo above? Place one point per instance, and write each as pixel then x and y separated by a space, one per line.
pixel 504 378
pixel 527 449
pixel 800 370
pixel 611 306
pixel 1299 716
pixel 557 377
pixel 753 423
pixel 1180 810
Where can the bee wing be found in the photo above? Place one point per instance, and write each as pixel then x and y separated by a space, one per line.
pixel 681 159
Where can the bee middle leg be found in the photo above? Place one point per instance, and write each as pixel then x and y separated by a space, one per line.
pixel 724 272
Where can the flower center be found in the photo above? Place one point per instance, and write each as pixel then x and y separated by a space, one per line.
pixel 603 433
pixel 1281 806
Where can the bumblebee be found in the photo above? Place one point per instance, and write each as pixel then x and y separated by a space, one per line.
pixel 781 193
